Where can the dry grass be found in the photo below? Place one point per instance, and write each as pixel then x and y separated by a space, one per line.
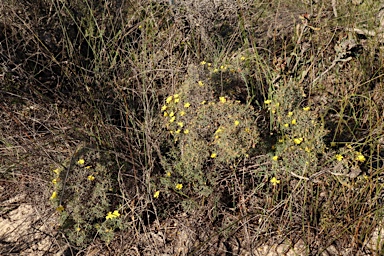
pixel 86 80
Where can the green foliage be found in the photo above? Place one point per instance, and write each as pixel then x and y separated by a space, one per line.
pixel 206 132
pixel 300 132
pixel 84 199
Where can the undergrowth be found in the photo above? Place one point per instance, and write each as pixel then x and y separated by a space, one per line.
pixel 255 121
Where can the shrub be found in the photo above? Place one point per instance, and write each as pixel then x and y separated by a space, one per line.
pixel 83 195
pixel 207 132
pixel 300 132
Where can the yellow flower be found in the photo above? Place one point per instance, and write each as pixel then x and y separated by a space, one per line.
pixel 88 167
pixel 172 119
pixel 339 157
pixel 203 63
pixel 223 67
pixel 169 99
pixel 165 114
pixel 222 99
pixel 237 122
pixel 187 105
pixel 360 157
pixel 242 58
pixel 178 131
pixel 81 161
pixel 215 70
pixel 180 124
pixel 176 96
pixel 60 208
pixel 53 196
pixel 306 108
pixel 179 186
pixel 267 102
pixel 275 158
pixel 218 130
pixel 171 114
pixel 298 140
pixel 78 229
pixel 168 174
pixel 182 113
pixel 113 215
pixel 290 113
pixel 277 104
pixel 163 108
pixel 186 131
pixel 286 125
pixel 200 83
pixel 274 181
pixel 203 102
pixel 91 177
pixel 209 64
pixel 156 194
pixel 54 181
pixel 273 111
pixel 293 121
pixel 57 171
pixel 213 155
pixel 176 100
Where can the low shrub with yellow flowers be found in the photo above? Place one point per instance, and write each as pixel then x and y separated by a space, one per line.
pixel 307 175
pixel 300 149
pixel 206 131
pixel 82 195
pixel 346 163
pixel 300 134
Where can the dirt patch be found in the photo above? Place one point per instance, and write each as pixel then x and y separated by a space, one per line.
pixel 26 231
